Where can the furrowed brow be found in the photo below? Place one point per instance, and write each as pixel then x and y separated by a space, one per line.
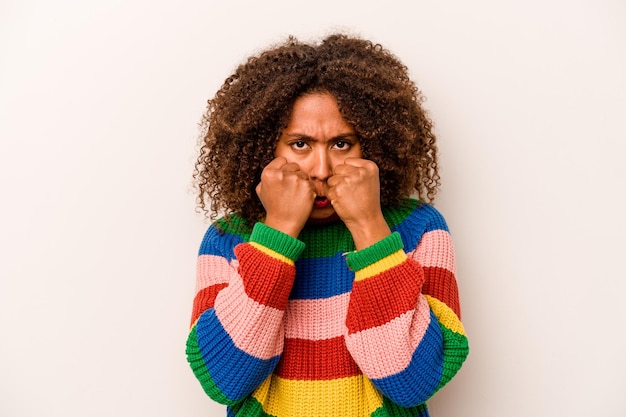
pixel 302 137
pixel 307 138
pixel 344 136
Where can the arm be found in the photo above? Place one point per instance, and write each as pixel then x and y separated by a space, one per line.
pixel 403 326
pixel 236 336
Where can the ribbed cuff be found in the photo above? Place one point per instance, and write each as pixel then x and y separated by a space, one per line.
pixel 277 241
pixel 360 259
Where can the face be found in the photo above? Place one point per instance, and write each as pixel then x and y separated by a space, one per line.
pixel 318 139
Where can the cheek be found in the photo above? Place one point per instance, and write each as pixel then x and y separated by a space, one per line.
pixel 291 156
pixel 284 151
pixel 357 152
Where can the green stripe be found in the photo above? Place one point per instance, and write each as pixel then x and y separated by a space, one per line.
pixel 379 250
pixel 194 357
pixel 397 214
pixel 322 240
pixel 251 407
pixel 456 349
pixel 234 225
pixel 326 240
pixel 277 241
pixel 391 409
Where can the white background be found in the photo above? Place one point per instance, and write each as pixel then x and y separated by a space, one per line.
pixel 99 104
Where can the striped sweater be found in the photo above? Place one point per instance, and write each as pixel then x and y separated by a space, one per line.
pixel 303 327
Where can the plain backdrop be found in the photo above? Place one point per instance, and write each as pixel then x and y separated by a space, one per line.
pixel 99 105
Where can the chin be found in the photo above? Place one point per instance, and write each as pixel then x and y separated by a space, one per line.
pixel 323 216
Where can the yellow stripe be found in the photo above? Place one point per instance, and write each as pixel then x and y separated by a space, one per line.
pixel 272 253
pixel 346 397
pixel 384 264
pixel 445 315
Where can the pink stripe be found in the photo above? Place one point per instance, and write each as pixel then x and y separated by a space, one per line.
pixel 435 249
pixel 317 319
pixel 254 328
pixel 386 350
pixel 211 270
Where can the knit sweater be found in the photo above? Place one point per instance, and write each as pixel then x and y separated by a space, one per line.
pixel 304 327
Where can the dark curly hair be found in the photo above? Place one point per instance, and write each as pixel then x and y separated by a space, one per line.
pixel 242 123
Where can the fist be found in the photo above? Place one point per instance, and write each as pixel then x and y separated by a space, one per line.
pixel 354 192
pixel 354 189
pixel 287 194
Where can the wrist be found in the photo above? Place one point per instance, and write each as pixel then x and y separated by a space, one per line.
pixel 277 241
pixel 367 233
pixel 290 228
pixel 383 249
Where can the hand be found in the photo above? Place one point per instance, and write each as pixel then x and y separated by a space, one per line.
pixel 354 192
pixel 287 194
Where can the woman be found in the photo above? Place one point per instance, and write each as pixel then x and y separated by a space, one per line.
pixel 325 290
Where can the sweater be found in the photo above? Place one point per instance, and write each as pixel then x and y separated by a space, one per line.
pixel 303 327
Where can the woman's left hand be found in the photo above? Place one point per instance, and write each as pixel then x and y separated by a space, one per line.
pixel 354 192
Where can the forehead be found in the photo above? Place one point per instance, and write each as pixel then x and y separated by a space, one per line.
pixel 317 112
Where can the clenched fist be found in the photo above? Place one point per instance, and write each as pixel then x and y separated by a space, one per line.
pixel 287 194
pixel 354 192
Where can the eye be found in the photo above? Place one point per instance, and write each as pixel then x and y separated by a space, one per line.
pixel 299 145
pixel 342 145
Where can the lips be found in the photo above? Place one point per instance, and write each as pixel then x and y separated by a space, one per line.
pixel 321 202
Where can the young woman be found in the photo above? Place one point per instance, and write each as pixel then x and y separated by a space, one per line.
pixel 325 290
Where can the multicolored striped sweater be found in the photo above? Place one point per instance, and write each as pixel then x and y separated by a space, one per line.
pixel 304 327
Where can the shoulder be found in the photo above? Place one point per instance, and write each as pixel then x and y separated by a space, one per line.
pixel 412 219
pixel 223 235
pixel 414 214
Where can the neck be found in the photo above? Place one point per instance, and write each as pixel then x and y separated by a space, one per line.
pixel 326 220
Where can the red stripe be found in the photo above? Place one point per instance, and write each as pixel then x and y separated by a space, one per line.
pixel 383 297
pixel 441 284
pixel 205 298
pixel 316 360
pixel 266 280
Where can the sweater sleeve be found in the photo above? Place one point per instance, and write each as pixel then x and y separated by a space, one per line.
pixel 237 335
pixel 403 322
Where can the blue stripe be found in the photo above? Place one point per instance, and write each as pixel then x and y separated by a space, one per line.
pixel 235 372
pixel 321 277
pixel 423 219
pixel 219 243
pixel 418 382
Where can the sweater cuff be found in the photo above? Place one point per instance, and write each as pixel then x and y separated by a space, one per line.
pixel 360 259
pixel 277 241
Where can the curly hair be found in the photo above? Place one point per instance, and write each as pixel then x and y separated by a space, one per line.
pixel 374 93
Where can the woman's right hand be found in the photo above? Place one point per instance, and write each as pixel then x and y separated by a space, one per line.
pixel 287 194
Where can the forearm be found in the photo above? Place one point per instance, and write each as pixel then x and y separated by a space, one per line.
pixel 366 232
pixel 393 333
pixel 236 344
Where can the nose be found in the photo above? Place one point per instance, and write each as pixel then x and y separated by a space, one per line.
pixel 321 167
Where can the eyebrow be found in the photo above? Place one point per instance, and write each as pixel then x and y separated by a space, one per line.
pixel 307 138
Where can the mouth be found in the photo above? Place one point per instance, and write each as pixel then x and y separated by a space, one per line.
pixel 321 202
